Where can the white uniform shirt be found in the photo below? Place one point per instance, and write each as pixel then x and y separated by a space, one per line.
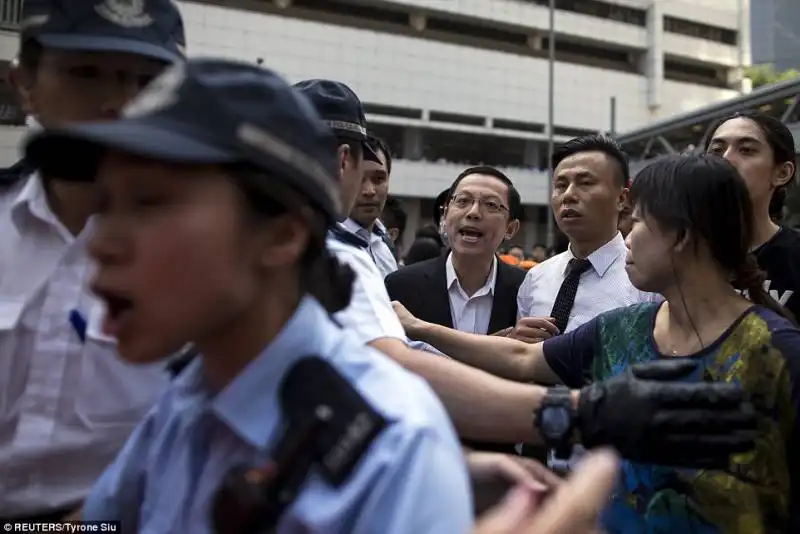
pixel 66 405
pixel 378 249
pixel 370 315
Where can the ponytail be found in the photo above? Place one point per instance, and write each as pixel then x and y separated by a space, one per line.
pixel 330 282
pixel 750 278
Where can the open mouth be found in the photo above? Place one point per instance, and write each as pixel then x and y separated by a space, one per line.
pixel 568 214
pixel 470 235
pixel 118 309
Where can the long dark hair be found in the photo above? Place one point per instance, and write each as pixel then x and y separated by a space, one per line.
pixel 780 140
pixel 705 195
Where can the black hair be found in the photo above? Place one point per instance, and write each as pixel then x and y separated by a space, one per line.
pixel 780 140
pixel 539 245
pixel 379 144
pixel 439 204
pixel 322 276
pixel 394 215
pixel 30 55
pixel 514 200
pixel 596 143
pixel 704 195
pixel 430 231
pixel 423 248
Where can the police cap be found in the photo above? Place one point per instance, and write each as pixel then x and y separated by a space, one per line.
pixel 341 110
pixel 150 28
pixel 208 111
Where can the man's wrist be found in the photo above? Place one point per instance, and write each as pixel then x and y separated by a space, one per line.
pixel 575 394
pixel 420 330
pixel 576 399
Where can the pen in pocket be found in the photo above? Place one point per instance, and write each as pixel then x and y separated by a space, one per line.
pixel 78 324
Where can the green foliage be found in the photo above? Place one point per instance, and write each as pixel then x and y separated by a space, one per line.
pixel 762 75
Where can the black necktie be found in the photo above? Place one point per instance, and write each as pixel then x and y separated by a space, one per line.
pixel 566 294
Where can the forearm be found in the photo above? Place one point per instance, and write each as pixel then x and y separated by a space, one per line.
pixel 497 355
pixel 481 406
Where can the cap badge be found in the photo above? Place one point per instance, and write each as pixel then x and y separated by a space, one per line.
pixel 125 13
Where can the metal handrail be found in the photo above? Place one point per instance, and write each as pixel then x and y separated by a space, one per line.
pixel 10 14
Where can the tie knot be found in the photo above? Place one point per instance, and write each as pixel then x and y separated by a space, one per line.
pixel 577 267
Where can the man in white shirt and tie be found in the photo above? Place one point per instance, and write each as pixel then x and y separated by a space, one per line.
pixel 590 179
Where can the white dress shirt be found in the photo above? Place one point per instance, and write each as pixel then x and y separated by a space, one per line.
pixel 604 287
pixel 66 405
pixel 369 315
pixel 378 249
pixel 470 313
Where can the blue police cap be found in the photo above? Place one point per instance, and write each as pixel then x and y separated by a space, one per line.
pixel 341 110
pixel 150 28
pixel 208 111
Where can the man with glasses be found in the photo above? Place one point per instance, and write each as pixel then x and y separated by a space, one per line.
pixel 468 289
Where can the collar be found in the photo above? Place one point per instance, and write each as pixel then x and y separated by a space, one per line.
pixel 31 200
pixel 355 228
pixel 452 277
pixel 378 228
pixel 604 257
pixel 250 405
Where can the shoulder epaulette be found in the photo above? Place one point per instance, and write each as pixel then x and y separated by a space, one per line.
pixel 386 241
pixel 340 233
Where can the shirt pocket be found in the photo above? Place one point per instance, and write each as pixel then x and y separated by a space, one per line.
pixel 11 361
pixel 113 392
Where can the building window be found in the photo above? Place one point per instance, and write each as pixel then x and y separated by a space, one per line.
pixel 593 8
pixel 472 148
pixel 700 31
pixel 686 72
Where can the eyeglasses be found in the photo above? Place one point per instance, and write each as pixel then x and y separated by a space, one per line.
pixel 464 202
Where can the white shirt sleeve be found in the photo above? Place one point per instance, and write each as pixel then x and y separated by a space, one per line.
pixel 525 294
pixel 370 315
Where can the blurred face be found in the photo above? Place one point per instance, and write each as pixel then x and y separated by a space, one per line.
pixel 587 197
pixel 651 255
pixel 477 218
pixel 179 260
pixel 625 221
pixel 539 254
pixel 351 174
pixel 517 253
pixel 374 190
pixel 82 86
pixel 743 143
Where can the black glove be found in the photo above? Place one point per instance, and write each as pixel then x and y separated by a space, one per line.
pixel 649 416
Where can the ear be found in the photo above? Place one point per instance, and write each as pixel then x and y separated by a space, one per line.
pixel 22 81
pixel 682 240
pixel 622 200
pixel 512 228
pixel 284 239
pixel 344 159
pixel 784 174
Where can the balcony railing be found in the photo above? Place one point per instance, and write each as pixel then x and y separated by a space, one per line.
pixel 10 14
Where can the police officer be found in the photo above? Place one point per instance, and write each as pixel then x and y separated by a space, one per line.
pixel 369 316
pixel 66 403
pixel 220 187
